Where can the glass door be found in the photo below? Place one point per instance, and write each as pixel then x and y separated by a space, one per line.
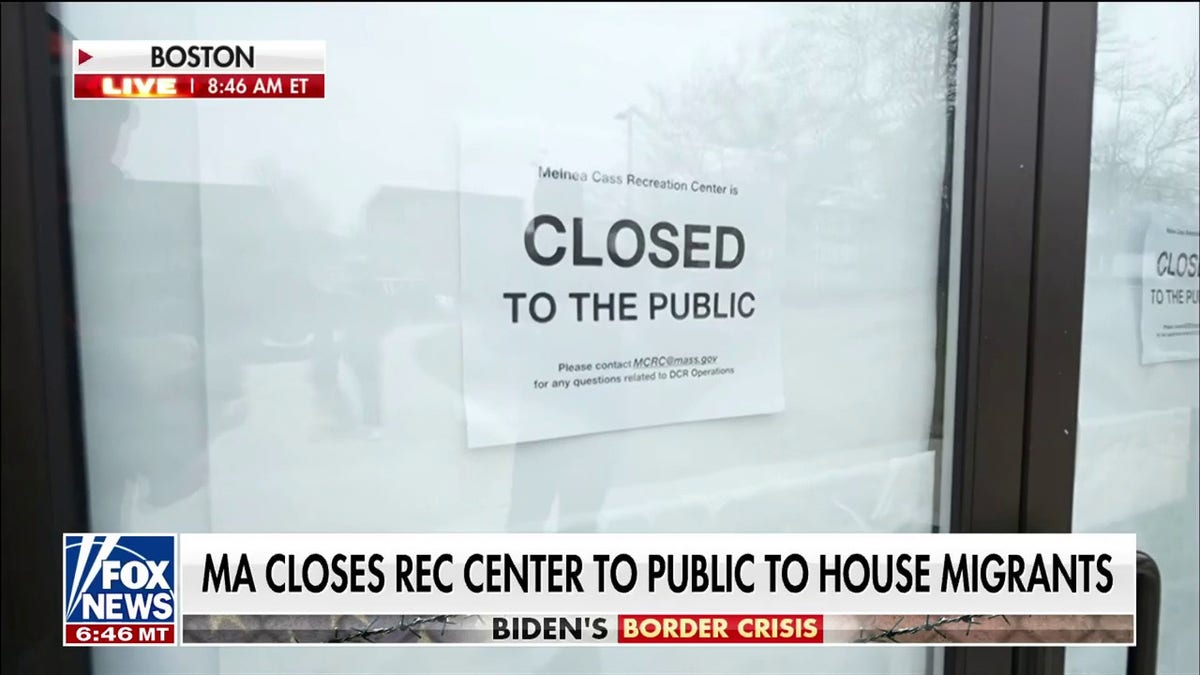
pixel 276 299
pixel 1136 462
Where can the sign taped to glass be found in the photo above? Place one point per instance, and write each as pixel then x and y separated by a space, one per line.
pixel 611 296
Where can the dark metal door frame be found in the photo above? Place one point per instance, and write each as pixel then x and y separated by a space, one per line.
pixel 44 491
pixel 1028 135
pixel 1056 309
pixel 1022 307
pixel 1003 89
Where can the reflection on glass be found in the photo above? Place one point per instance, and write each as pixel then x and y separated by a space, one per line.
pixel 1138 438
pixel 269 291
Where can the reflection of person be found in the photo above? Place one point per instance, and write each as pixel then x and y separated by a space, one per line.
pixel 138 321
pixel 359 314
pixel 354 334
pixel 545 470
pixel 573 470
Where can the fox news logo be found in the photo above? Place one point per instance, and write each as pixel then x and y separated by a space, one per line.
pixel 119 589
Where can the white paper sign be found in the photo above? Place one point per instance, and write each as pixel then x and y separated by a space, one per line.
pixel 598 296
pixel 1170 294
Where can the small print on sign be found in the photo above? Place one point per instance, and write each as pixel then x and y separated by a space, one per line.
pixel 1171 293
pixel 602 291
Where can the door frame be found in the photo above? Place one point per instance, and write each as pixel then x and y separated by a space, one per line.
pixel 1024 238
pixel 44 487
pixel 1020 302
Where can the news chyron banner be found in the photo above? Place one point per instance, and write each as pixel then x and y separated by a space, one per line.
pixel 166 69
pixel 599 589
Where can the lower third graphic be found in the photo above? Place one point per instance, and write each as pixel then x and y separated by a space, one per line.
pixel 119 589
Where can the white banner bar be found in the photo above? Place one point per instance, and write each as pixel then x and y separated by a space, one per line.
pixel 197 56
pixel 634 573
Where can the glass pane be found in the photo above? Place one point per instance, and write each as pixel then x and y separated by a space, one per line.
pixel 1138 440
pixel 271 309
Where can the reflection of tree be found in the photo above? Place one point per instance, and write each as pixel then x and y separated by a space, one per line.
pixel 1145 136
pixel 1144 139
pixel 847 104
pixel 846 76
pixel 853 107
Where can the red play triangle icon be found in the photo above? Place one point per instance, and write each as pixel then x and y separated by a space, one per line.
pixel 84 57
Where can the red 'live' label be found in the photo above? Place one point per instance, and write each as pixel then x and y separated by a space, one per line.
pixel 199 85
